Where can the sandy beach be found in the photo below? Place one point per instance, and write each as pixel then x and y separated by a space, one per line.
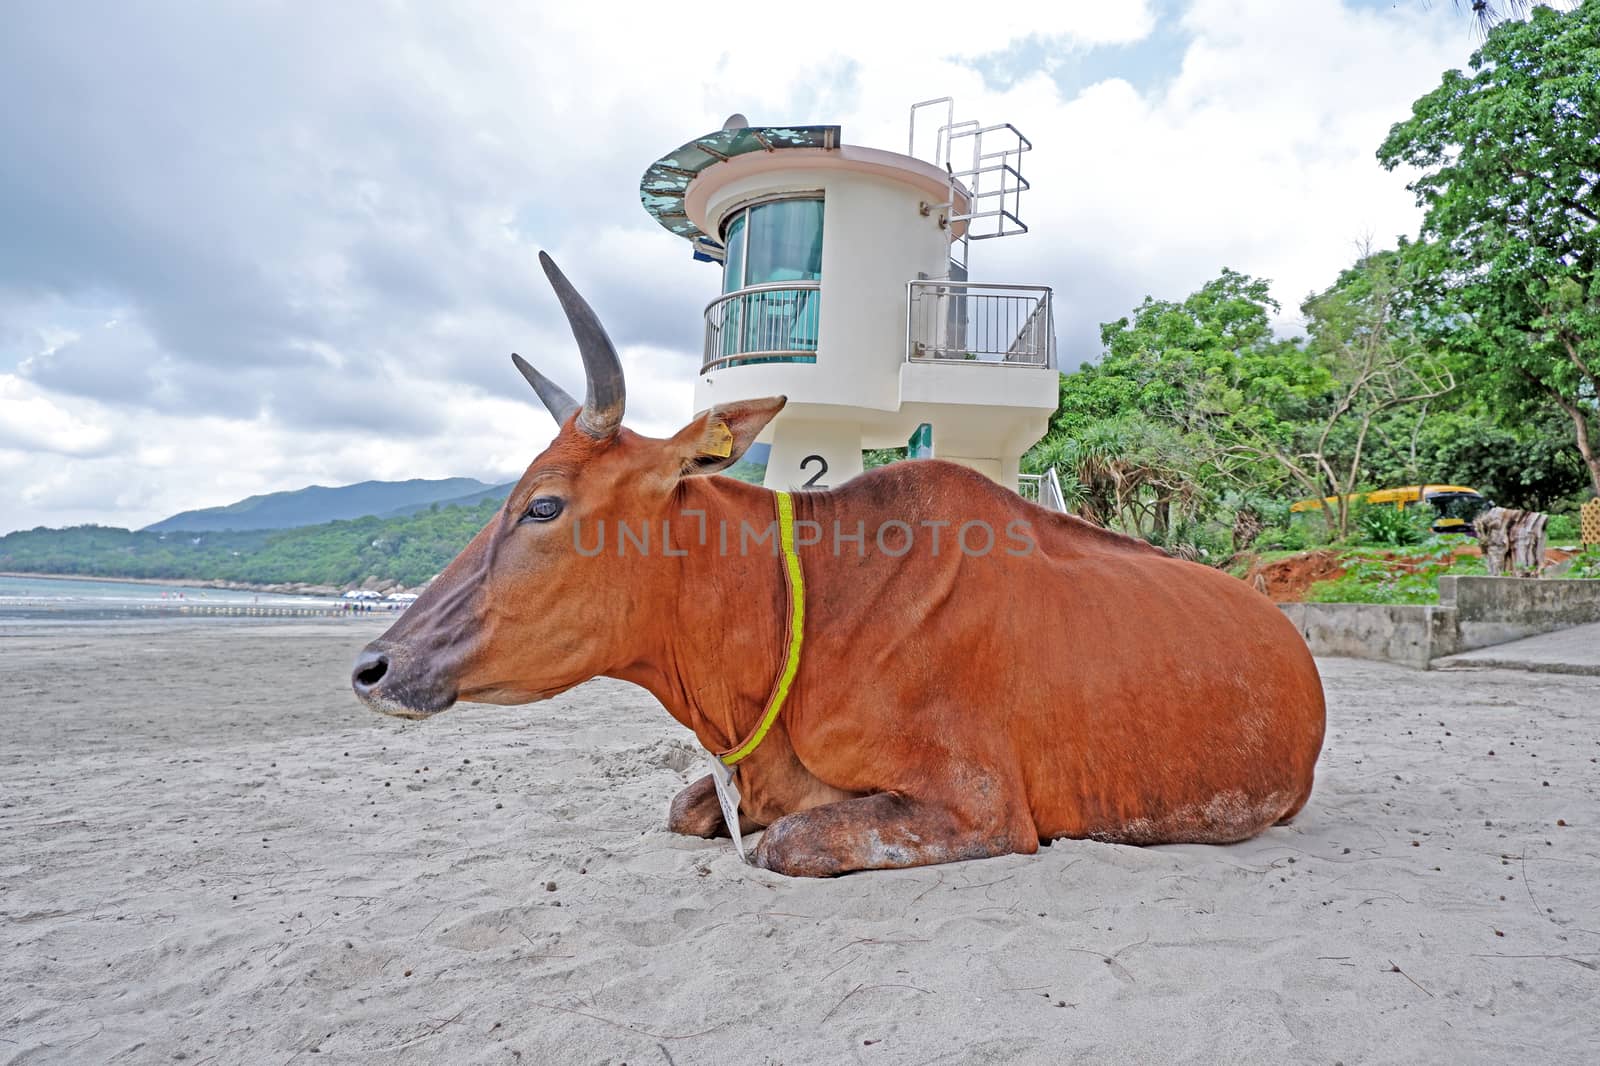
pixel 210 853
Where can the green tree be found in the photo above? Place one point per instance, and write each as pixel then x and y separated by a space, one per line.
pixel 1510 161
pixel 1153 359
pixel 1309 409
pixel 1301 412
pixel 1532 466
pixel 1131 471
pixel 1128 447
pixel 1197 409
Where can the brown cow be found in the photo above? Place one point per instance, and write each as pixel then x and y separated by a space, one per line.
pixel 950 702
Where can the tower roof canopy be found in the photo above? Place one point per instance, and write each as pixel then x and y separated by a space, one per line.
pixel 666 181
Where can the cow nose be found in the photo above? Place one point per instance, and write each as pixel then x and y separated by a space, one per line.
pixel 369 672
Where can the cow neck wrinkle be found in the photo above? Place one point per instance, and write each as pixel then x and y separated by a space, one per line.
pixel 721 654
pixel 794 629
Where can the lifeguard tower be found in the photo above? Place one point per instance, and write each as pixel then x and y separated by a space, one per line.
pixel 845 287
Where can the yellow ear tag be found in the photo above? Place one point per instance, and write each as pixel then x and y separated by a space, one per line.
pixel 719 441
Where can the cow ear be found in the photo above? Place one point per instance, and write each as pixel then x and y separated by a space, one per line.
pixel 717 438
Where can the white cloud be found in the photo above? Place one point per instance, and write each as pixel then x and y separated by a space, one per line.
pixel 1259 154
pixel 33 421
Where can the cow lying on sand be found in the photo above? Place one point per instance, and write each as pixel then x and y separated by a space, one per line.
pixel 976 674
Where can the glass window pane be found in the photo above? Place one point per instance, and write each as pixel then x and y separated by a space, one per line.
pixel 785 242
pixel 733 265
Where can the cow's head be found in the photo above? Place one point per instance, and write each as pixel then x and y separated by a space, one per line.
pixel 529 609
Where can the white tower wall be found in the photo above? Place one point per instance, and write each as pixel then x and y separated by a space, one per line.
pixel 882 228
pixel 874 240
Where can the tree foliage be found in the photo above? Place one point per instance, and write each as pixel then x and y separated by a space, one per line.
pixel 1509 156
pixel 1311 409
pixel 1199 413
pixel 1197 402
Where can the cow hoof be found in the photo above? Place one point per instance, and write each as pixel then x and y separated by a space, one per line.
pixel 695 811
pixel 784 850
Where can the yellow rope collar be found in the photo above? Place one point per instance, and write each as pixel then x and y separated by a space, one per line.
pixel 794 579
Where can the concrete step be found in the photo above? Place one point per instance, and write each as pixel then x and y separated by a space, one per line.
pixel 1566 651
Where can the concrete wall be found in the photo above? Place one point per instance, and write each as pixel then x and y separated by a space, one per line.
pixel 1473 612
pixel 1494 610
pixel 1408 634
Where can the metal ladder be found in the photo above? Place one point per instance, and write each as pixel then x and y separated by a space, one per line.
pixel 990 175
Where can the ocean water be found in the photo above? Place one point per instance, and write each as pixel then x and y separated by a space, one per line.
pixel 25 599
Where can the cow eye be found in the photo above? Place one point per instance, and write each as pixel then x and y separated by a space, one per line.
pixel 543 508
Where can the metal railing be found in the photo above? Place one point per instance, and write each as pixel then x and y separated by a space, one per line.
pixel 968 322
pixel 1043 489
pixel 773 323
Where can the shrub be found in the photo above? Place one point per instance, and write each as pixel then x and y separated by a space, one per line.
pixel 1294 532
pixel 1393 526
pixel 1586 564
pixel 1562 529
pixel 1205 542
pixel 1291 538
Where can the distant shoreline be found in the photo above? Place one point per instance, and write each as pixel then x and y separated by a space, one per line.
pixel 286 589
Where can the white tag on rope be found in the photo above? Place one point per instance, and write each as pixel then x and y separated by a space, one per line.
pixel 728 797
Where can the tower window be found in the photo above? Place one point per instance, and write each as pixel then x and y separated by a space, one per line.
pixel 770 308
pixel 777 241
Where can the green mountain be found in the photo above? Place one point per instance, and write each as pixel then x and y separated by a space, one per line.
pixel 497 493
pixel 318 503
pixel 408 549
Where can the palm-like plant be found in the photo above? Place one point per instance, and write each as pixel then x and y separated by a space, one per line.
pixel 1128 471
pixel 1489 12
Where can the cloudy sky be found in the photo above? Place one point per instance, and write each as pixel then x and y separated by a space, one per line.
pixel 247 246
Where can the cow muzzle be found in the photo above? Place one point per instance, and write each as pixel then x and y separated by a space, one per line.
pixel 390 681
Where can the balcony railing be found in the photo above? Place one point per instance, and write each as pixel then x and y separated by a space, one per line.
pixel 1006 325
pixel 1043 489
pixel 774 323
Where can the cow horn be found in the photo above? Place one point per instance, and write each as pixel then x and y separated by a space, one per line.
pixel 603 401
pixel 556 401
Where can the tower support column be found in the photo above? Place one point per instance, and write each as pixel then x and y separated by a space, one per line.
pixel 813 454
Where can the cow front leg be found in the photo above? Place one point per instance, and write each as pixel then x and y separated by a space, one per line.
pixel 695 811
pixel 888 830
